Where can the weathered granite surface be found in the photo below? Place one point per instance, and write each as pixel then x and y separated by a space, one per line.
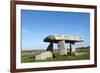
pixel 44 55
pixel 67 38
pixel 61 48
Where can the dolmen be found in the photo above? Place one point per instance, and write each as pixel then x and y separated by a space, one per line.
pixel 61 40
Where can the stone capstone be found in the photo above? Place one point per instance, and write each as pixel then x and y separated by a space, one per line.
pixel 44 55
pixel 67 38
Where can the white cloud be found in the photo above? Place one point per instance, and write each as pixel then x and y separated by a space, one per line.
pixel 26 31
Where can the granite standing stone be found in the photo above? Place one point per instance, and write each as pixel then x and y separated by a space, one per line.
pixel 50 47
pixel 73 47
pixel 61 48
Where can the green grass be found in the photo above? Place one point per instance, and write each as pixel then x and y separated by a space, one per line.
pixel 29 56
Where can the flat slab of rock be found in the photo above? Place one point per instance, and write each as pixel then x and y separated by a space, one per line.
pixel 66 38
pixel 44 56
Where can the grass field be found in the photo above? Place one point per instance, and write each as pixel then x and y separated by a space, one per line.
pixel 29 56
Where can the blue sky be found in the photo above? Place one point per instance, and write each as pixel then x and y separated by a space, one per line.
pixel 36 25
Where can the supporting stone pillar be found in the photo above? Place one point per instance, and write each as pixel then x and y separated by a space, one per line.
pixel 72 48
pixel 61 48
pixel 50 47
pixel 70 52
